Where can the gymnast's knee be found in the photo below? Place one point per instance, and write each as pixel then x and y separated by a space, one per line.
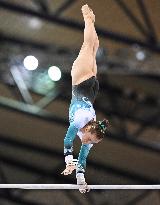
pixel 88 46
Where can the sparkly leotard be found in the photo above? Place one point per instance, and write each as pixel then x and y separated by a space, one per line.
pixel 81 111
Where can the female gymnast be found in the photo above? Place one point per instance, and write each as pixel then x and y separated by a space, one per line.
pixel 82 115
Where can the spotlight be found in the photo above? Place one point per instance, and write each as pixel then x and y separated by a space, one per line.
pixel 35 23
pixel 54 73
pixel 30 63
pixel 140 55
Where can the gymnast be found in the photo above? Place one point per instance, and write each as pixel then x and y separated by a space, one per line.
pixel 82 115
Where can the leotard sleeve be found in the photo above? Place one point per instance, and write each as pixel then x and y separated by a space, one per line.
pixel 85 148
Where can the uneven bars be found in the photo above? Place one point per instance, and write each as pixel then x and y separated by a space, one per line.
pixel 73 186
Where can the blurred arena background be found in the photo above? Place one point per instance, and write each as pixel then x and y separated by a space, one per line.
pixel 35 95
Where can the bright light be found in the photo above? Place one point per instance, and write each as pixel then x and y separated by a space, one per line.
pixel 35 23
pixel 30 63
pixel 54 73
pixel 140 55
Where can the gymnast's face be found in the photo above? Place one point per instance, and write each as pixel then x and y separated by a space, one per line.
pixel 89 138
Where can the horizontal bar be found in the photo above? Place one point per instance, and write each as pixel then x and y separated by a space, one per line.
pixel 73 186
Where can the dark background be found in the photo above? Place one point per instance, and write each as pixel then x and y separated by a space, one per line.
pixel 33 121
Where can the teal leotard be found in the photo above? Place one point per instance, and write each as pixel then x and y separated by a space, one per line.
pixel 81 111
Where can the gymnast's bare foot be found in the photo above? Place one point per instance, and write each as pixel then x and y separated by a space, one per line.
pixel 87 13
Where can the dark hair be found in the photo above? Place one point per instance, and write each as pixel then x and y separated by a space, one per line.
pixel 98 127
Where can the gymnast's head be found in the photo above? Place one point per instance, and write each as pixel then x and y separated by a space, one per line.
pixel 94 131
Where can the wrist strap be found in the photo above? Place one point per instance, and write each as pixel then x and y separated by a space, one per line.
pixel 68 158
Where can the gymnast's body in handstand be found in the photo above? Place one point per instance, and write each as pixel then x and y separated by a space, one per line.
pixel 82 115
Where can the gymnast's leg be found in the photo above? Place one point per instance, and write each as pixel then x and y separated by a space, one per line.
pixel 82 69
pixel 83 66
pixel 96 46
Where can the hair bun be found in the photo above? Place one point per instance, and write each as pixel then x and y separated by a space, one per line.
pixel 105 122
pixel 103 125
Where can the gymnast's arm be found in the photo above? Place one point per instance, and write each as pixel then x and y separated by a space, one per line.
pixel 85 148
pixel 68 140
pixel 68 148
pixel 81 118
pixel 80 170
